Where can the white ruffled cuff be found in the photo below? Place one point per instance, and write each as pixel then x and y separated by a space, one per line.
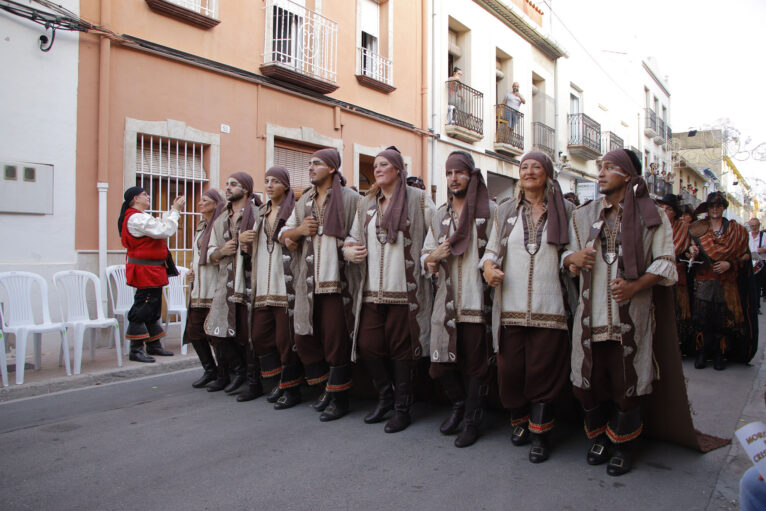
pixel 665 269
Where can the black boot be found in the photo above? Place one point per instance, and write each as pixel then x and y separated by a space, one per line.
pixel 453 388
pixel 236 358
pixel 403 397
pixel 322 401
pixel 275 393
pixel 316 375
pixel 137 352
pixel 719 361
pixel 337 387
pixel 155 348
pixel 474 412
pixel 595 422
pixel 700 362
pixel 520 422
pixel 202 347
pixel 382 381
pixel 271 368
pixel 290 397
pixel 540 425
pixel 254 385
pixel 624 428
pixel 222 377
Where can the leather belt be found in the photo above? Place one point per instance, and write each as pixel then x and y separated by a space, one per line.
pixel 147 262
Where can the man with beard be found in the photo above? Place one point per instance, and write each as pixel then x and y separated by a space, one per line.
pixel 227 320
pixel 622 245
pixel 318 287
pixel 460 347
pixel 718 309
pixel 272 333
pixel 145 238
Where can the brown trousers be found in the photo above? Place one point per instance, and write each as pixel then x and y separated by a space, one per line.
pixel 271 332
pixel 607 381
pixel 384 332
pixel 473 352
pixel 195 325
pixel 330 341
pixel 241 324
pixel 532 365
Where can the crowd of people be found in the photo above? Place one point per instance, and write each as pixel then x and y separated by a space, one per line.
pixel 549 295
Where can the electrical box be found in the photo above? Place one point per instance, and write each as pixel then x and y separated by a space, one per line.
pixel 26 188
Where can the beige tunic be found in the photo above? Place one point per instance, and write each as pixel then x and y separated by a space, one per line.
pixel 269 274
pixel 203 287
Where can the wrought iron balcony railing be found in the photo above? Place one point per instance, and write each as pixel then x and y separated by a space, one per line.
pixel 375 70
pixel 509 128
pixel 465 107
pixel 584 136
pixel 543 138
pixel 610 141
pixel 650 128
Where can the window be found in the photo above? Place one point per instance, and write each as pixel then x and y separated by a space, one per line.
pixel 574 103
pixel 167 168
pixel 30 174
pixel 10 172
pixel 295 158
pixel 203 13
pixel 374 47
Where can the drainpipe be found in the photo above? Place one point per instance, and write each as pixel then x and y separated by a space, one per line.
pixel 103 144
pixel 434 103
pixel 424 92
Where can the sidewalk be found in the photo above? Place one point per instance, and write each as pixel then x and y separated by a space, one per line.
pixel 103 369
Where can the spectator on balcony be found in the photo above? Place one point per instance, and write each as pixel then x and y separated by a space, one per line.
pixel 513 100
pixel 670 179
pixel 455 99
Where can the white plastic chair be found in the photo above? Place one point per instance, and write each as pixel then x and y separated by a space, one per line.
pixel 120 296
pixel 19 319
pixel 175 302
pixel 72 287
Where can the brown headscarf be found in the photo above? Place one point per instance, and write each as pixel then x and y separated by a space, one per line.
pixel 558 226
pixel 204 240
pixel 476 201
pixel 246 181
pixel 334 225
pixel 637 206
pixel 288 203
pixel 395 217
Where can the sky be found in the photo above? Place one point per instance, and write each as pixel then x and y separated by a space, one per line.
pixel 713 52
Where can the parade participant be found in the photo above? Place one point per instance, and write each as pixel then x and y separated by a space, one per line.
pixel 758 256
pixel 622 244
pixel 202 276
pixel 228 322
pixel 322 288
pixel 530 316
pixel 148 266
pixel 687 214
pixel 460 345
pixel 718 310
pixel 272 332
pixel 393 304
pixel 670 204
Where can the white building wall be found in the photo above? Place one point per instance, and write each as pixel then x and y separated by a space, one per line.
pixel 39 125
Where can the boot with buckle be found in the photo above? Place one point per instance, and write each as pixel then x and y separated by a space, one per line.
pixel 540 426
pixel 624 428
pixel 520 422
pixel 599 451
pixel 290 397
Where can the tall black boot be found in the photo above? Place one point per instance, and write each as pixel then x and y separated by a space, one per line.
pixel 624 428
pixel 202 348
pixel 719 360
pixel 378 370
pixel 338 385
pixel 271 368
pixel 700 360
pixel 540 426
pixel 474 412
pixel 237 360
pixel 316 375
pixel 254 385
pixel 595 422
pixel 155 348
pixel 137 352
pixel 222 377
pixel 403 397
pixel 453 388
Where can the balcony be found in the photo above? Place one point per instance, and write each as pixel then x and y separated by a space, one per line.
pixel 669 136
pixel 543 138
pixel 509 130
pixel 301 46
pixel 375 71
pixel 610 141
pixel 584 137
pixel 465 107
pixel 659 138
pixel 650 129
pixel 202 13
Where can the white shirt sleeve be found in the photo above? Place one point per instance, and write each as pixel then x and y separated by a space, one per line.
pixel 291 223
pixel 144 224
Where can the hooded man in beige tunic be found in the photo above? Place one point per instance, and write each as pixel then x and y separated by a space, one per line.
pixel 228 319
pixel 622 245
pixel 460 341
pixel 393 304
pixel 320 285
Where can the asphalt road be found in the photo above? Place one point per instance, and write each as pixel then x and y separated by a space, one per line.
pixel 156 443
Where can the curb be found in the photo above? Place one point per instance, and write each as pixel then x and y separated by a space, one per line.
pixel 93 379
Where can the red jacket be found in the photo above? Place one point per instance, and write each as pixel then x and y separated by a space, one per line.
pixel 146 249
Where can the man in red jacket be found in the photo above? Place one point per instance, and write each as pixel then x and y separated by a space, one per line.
pixel 149 259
